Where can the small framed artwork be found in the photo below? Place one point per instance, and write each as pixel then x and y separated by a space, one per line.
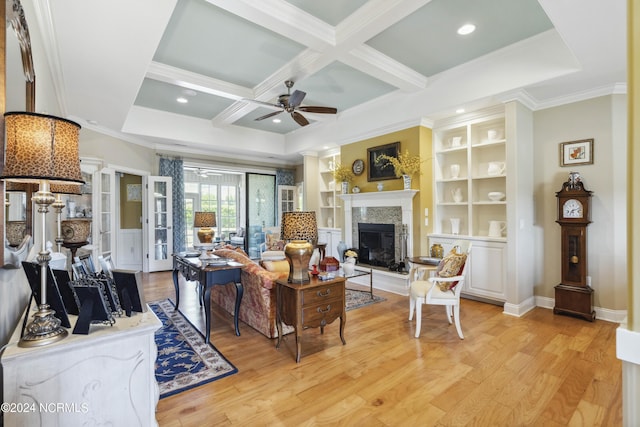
pixel 576 152
pixel 378 171
pixel 134 192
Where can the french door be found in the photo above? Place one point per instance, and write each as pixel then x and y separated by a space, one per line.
pixel 159 223
pixel 104 231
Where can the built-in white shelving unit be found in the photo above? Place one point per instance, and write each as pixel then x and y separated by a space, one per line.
pixel 330 213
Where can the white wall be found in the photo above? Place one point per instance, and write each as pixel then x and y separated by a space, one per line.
pixel 604 120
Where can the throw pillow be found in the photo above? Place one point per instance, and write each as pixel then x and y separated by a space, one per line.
pixel 279 266
pixel 274 243
pixel 451 265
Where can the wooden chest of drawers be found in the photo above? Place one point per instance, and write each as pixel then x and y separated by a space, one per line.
pixel 310 305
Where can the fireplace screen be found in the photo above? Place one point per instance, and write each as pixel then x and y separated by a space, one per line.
pixel 376 244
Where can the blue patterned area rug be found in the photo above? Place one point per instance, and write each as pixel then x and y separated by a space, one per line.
pixel 184 360
pixel 356 299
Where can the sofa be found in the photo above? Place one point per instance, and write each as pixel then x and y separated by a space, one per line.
pixel 258 306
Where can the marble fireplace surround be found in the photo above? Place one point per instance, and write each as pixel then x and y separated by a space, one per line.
pixel 397 198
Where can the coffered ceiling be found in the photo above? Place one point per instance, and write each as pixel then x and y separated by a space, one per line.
pixel 119 67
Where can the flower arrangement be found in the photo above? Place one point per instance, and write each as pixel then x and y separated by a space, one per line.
pixel 350 254
pixel 404 164
pixel 343 173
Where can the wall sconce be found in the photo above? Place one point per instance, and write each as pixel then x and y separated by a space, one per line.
pixel 204 221
pixel 300 230
pixel 41 149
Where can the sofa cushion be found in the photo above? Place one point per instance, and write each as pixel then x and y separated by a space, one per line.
pixel 278 266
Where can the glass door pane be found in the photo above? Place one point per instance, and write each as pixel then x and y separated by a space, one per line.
pixel 160 223
pixel 261 210
pixel 107 224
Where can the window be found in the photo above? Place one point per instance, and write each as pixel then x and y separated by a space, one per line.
pixel 212 192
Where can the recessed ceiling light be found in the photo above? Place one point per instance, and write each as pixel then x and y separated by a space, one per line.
pixel 466 29
pixel 460 110
pixel 276 120
pixel 189 92
pixel 182 100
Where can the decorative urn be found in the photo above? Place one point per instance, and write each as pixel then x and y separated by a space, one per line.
pixel 75 230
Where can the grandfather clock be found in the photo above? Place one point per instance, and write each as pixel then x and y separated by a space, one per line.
pixel 574 296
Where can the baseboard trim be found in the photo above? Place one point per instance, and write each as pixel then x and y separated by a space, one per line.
pixel 519 310
pixel 396 283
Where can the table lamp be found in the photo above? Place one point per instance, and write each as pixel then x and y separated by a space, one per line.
pixel 41 149
pixel 204 221
pixel 300 231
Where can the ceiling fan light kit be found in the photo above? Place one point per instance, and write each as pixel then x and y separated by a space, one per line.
pixel 290 103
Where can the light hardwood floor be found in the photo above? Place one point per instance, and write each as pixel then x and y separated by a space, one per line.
pixel 540 370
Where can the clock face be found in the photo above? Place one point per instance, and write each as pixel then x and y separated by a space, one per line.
pixel 572 208
pixel 358 166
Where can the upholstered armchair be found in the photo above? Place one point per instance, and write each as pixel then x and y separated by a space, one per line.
pixel 236 238
pixel 272 248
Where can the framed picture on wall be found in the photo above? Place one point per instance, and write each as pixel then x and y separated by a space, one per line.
pixel 576 152
pixel 377 171
pixel 134 192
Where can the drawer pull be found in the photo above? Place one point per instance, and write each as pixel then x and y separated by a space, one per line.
pixel 326 310
pixel 320 294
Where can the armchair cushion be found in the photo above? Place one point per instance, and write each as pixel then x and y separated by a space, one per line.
pixel 450 266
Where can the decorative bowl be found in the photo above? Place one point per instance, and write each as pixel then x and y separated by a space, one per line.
pixel 75 230
pixel 496 196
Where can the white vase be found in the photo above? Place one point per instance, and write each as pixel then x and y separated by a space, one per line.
pixel 349 266
pixel 406 180
pixel 345 187
pixel 455 170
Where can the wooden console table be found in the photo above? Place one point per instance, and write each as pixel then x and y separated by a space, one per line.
pixel 207 277
pixel 310 305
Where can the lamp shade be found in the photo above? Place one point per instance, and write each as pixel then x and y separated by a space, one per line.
pixel 66 189
pixel 16 186
pixel 299 226
pixel 204 219
pixel 40 146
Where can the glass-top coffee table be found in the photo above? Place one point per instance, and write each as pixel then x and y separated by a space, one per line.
pixel 359 272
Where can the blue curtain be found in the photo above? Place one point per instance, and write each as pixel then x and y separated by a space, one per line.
pixel 285 177
pixel 174 169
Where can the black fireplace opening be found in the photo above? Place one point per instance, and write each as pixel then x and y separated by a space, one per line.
pixel 376 244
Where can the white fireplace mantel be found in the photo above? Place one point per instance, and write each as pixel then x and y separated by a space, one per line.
pixel 395 198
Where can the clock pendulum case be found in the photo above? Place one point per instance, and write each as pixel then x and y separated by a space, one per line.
pixel 573 295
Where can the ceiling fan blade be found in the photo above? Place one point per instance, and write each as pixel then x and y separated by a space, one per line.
pixel 299 118
pixel 266 116
pixel 322 110
pixel 296 98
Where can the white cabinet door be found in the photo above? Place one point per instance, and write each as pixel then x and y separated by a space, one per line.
pixel 488 269
pixel 159 223
pixel 330 236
